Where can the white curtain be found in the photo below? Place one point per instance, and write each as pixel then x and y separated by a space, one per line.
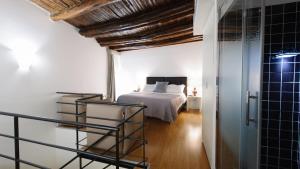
pixel 111 86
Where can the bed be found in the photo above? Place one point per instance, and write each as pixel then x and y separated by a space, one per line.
pixel 164 106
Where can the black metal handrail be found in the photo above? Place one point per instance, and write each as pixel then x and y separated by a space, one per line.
pixel 111 103
pixel 87 100
pixel 71 123
pixel 23 161
pixel 81 153
pixel 17 138
pixel 79 94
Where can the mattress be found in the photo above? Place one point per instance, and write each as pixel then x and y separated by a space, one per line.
pixel 163 106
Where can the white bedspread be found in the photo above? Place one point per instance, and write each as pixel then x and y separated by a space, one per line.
pixel 164 106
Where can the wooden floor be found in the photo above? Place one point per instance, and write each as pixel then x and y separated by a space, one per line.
pixel 176 145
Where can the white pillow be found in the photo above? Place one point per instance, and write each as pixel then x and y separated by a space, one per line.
pixel 175 88
pixel 148 88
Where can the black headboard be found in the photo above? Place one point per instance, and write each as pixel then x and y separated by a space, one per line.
pixel 171 80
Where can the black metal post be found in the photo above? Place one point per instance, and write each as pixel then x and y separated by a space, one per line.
pixel 117 150
pixel 144 140
pixel 17 144
pixel 77 134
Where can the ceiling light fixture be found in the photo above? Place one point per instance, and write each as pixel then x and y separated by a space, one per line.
pixel 286 55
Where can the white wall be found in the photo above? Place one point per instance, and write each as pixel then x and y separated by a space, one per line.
pixel 210 62
pixel 177 60
pixel 202 11
pixel 65 62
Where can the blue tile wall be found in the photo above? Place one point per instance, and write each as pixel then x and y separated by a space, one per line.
pixel 281 89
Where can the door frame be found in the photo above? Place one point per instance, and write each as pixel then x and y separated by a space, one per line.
pixel 262 36
pixel 245 87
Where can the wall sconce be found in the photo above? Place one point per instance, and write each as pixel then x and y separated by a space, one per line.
pixel 24 53
pixel 25 60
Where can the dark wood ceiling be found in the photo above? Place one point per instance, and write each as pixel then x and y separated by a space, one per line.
pixel 124 25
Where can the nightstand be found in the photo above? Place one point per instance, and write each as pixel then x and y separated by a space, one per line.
pixel 194 102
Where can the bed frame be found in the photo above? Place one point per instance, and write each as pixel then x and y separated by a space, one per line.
pixel 171 80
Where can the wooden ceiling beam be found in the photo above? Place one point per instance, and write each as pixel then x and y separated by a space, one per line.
pixel 154 46
pixel 174 41
pixel 128 26
pixel 140 31
pixel 84 7
pixel 144 40
pixel 163 32
pixel 161 38
pixel 186 23
pixel 135 23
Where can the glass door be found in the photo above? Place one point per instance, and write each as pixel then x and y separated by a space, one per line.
pixel 240 53
pixel 251 91
pixel 230 88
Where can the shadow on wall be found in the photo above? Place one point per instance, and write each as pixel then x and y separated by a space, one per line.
pixel 3 48
pixel 5 52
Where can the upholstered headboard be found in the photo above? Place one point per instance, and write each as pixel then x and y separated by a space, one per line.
pixel 171 80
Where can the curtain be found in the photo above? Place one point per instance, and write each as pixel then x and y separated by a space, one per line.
pixel 111 87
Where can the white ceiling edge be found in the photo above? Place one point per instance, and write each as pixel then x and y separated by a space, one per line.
pixel 257 3
pixel 202 11
pixel 277 2
pixel 196 20
pixel 224 5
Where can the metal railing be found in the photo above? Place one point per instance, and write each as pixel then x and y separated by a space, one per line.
pixel 82 151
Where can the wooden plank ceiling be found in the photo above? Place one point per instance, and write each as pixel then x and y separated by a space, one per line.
pixel 124 25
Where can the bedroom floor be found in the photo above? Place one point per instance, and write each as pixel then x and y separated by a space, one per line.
pixel 177 145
